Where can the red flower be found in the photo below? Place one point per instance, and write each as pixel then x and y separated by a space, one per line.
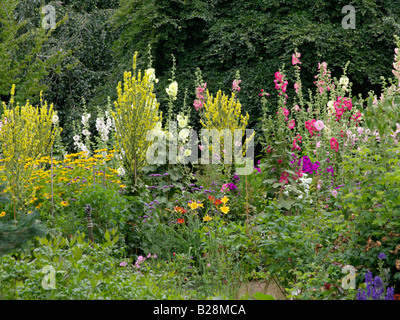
pixel 218 201
pixel 211 198
pixel 327 286
pixel 180 210
pixel 280 161
pixel 396 296
pixel 180 221
pixel 334 144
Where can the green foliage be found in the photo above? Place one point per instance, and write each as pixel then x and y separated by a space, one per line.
pixel 25 56
pixel 372 202
pixel 257 37
pixel 81 272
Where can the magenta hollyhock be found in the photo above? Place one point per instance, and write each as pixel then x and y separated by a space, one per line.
pixel 291 124
pixel 284 177
pixel 334 144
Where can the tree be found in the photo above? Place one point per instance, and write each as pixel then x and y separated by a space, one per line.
pixel 22 61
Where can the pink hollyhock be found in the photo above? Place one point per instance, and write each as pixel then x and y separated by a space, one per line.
pixel 296 87
pixel 235 85
pixel 298 174
pixel 299 138
pixel 284 177
pixel 295 146
pixel 269 149
pixel 198 104
pixel 334 144
pixel 296 108
pixel 278 76
pixel 334 193
pixel 279 160
pixel 286 112
pixel 295 58
pixel 319 125
pixel 291 124
pixel 284 86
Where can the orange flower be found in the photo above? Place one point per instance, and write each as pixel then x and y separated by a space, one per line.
pixel 180 210
pixel 217 202
pixel 211 198
pixel 180 221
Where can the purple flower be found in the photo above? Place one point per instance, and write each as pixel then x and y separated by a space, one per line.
pixel 382 256
pixel 390 294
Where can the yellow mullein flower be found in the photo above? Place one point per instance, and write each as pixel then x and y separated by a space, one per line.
pixel 225 209
pixel 207 218
pixel 225 199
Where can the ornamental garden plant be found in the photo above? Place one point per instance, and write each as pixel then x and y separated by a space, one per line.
pixel 322 194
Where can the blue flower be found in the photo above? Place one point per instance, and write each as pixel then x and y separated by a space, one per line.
pixel 382 256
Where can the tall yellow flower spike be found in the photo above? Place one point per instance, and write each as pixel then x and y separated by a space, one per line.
pixel 136 112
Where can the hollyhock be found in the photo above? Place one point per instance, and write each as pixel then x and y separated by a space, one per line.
pixel 310 126
pixel 284 86
pixel 295 58
pixel 235 85
pixel 296 108
pixel 286 112
pixel 295 146
pixel 334 144
pixel 296 87
pixel 291 124
pixel 284 177
pixel 198 104
pixel 299 138
pixel 319 125
pixel 278 76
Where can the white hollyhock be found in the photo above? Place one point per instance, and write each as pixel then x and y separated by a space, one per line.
pixel 172 90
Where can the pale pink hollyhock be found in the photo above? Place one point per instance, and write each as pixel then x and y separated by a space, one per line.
pixel 334 193
pixel 296 108
pixel 200 147
pixel 296 87
pixel 319 125
pixel 140 258
pixel 123 264
pixel 319 144
pixel 149 255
